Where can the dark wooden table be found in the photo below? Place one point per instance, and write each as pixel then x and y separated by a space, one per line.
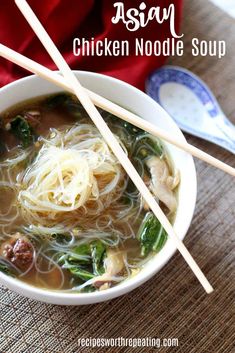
pixel 172 304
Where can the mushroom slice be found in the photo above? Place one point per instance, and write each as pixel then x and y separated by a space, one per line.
pixel 162 183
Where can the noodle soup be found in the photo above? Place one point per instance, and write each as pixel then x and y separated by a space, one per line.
pixel 70 218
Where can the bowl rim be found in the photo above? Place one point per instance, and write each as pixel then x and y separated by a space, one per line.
pixel 63 297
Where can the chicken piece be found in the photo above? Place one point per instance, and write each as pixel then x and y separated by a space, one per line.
pixel 162 184
pixel 173 181
pixel 114 264
pixel 19 251
pixel 147 182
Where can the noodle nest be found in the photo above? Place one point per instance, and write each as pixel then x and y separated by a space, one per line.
pixel 74 173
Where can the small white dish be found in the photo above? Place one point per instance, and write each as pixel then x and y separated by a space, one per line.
pixel 138 102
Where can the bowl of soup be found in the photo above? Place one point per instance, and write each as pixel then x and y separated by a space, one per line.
pixel 73 228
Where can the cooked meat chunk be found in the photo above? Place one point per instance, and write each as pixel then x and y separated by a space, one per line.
pixel 19 251
pixel 114 265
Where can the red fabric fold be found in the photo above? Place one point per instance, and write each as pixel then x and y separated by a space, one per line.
pixel 67 19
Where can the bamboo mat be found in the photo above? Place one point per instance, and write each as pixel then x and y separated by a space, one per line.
pixel 172 304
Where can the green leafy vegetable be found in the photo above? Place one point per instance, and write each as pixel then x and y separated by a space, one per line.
pixel 61 238
pixel 5 269
pixel 151 235
pixel 142 143
pixel 23 131
pixel 85 261
pixel 57 100
pixel 80 273
pixel 134 131
pixel 88 289
pixel 81 254
pixel 66 103
pixel 97 253
pixel 147 146
pixel 131 130
pixel 108 117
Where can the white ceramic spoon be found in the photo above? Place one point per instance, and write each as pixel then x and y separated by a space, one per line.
pixel 192 105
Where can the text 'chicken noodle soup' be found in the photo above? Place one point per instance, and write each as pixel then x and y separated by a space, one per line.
pixel 70 217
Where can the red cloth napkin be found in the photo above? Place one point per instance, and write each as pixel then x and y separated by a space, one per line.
pixel 66 20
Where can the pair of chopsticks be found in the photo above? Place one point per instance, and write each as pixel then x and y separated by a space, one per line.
pixel 71 83
pixel 113 108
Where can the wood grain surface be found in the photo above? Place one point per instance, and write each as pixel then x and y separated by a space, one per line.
pixel 172 304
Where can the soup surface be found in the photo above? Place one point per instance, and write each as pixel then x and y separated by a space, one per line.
pixel 70 218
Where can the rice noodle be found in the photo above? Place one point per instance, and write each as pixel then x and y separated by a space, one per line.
pixel 75 172
pixel 18 159
pixel 71 184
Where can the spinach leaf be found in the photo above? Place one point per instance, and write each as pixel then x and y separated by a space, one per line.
pixel 88 289
pixel 83 254
pixel 147 146
pixel 57 100
pixel 139 143
pixel 85 261
pixel 80 272
pixel 133 130
pixel 5 269
pixel 109 118
pixel 97 253
pixel 61 238
pixel 23 131
pixel 151 235
pixel 65 103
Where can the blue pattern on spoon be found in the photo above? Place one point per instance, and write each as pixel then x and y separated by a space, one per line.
pixel 191 104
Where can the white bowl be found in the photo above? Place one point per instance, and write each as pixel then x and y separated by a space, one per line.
pixel 139 103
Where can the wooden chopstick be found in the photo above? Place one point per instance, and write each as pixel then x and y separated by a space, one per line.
pixel 109 137
pixel 113 108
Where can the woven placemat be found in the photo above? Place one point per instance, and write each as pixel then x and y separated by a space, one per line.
pixel 172 304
